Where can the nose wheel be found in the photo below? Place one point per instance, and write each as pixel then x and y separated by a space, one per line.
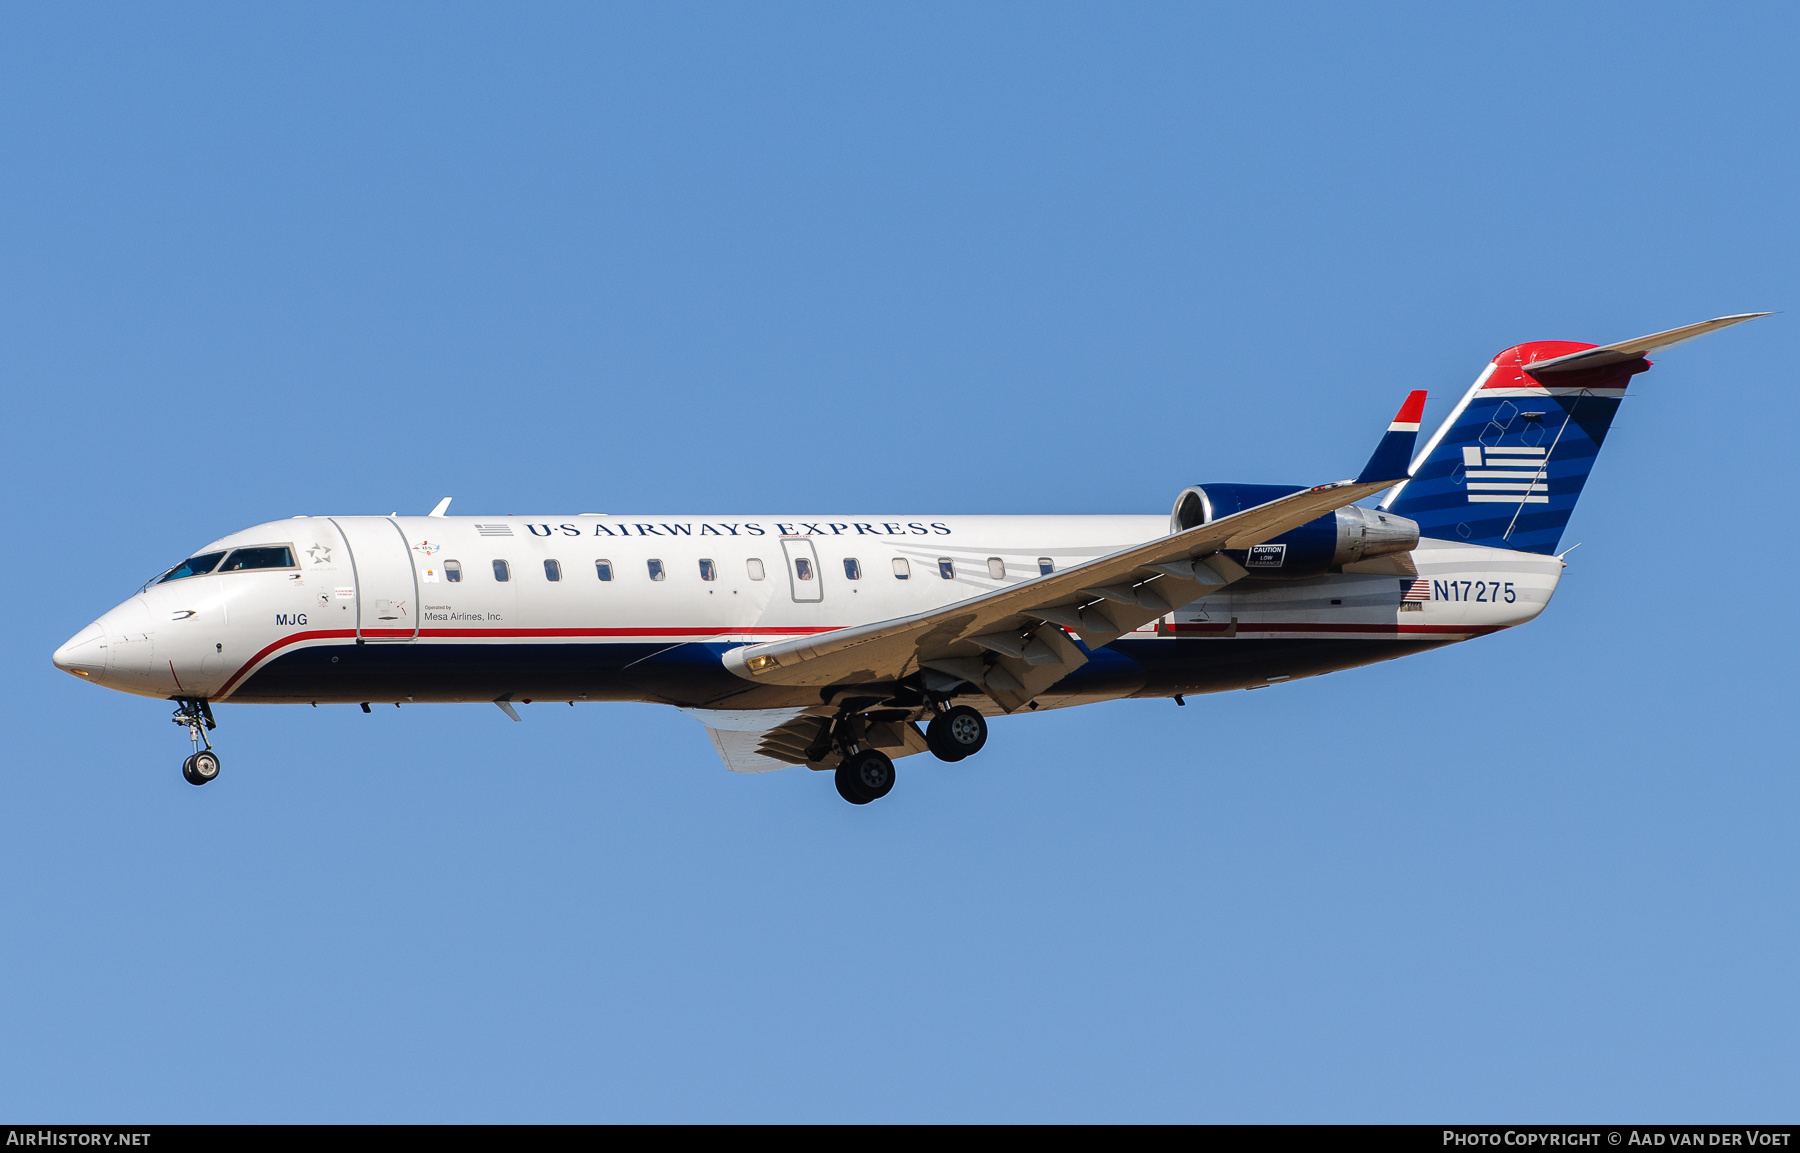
pixel 202 764
pixel 200 767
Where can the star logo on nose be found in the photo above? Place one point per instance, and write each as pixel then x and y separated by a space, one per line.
pixel 320 554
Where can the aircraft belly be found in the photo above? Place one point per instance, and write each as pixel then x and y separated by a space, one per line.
pixel 1216 666
pixel 1109 674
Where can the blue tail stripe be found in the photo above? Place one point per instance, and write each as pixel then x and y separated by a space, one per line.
pixel 1492 508
pixel 1391 457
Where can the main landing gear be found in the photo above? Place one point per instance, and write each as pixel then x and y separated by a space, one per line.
pixel 864 772
pixel 865 776
pixel 956 733
pixel 203 764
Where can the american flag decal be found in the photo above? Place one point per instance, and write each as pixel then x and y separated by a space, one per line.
pixel 1419 590
pixel 1506 475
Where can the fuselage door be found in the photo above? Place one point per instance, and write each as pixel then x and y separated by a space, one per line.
pixel 803 569
pixel 387 588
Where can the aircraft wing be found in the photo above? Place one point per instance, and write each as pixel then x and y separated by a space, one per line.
pixel 1014 642
pixel 763 740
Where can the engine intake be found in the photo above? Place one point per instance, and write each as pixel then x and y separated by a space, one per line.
pixel 1316 547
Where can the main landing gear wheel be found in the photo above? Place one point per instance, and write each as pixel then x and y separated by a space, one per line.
pixel 956 733
pixel 865 776
pixel 200 767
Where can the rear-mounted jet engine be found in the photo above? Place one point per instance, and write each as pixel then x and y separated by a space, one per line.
pixel 1317 547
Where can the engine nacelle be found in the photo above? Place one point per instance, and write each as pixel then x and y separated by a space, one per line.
pixel 1316 547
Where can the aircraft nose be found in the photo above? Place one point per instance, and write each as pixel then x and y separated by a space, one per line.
pixel 83 654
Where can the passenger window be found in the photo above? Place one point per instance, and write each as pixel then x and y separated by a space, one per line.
pixel 1046 566
pixel 902 570
pixel 803 568
pixel 946 568
pixel 656 570
pixel 852 568
pixel 193 566
pixel 552 570
pixel 708 572
pixel 603 569
pixel 501 572
pixel 756 569
pixel 996 568
pixel 453 571
pixel 273 556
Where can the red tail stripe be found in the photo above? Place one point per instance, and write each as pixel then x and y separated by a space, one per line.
pixel 1413 409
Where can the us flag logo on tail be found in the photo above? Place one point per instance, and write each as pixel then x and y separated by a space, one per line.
pixel 1416 590
pixel 1506 475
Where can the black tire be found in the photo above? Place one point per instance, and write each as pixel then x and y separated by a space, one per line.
pixel 867 776
pixel 876 772
pixel 848 786
pixel 201 767
pixel 956 733
pixel 937 739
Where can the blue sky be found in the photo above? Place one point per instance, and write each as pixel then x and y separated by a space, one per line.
pixel 930 259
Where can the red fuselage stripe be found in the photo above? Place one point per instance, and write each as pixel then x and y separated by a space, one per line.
pixel 317 634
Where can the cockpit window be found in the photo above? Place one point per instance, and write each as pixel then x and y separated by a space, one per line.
pixel 193 566
pixel 266 556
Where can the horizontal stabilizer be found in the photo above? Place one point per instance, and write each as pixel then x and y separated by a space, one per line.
pixel 1629 350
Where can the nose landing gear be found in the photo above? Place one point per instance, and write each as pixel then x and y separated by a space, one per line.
pixel 203 764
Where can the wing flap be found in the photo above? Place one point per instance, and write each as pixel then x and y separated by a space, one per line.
pixel 764 740
pixel 741 752
pixel 761 740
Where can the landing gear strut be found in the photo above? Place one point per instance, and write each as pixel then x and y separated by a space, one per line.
pixel 956 733
pixel 203 764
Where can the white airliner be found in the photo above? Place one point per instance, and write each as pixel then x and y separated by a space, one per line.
pixel 827 641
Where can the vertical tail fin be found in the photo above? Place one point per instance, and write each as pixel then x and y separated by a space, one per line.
pixel 1508 464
